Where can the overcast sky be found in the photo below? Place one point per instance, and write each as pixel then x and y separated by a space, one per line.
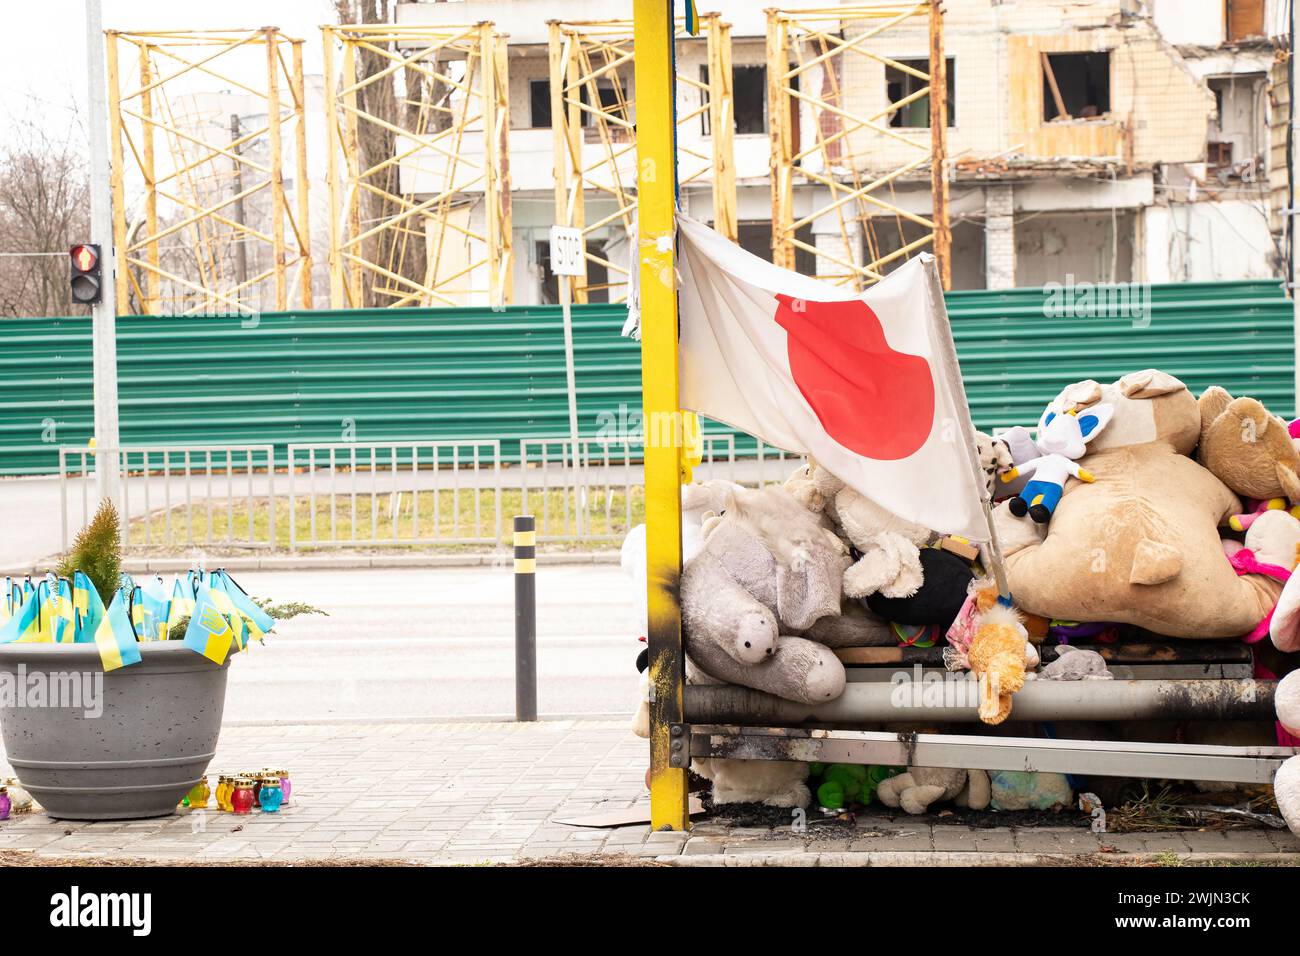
pixel 43 70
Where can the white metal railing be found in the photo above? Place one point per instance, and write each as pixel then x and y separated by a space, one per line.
pixel 381 494
pixel 394 494
pixel 603 499
pixel 175 495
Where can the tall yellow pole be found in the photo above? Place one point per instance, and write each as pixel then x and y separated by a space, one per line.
pixel 655 193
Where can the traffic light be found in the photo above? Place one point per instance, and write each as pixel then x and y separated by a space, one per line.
pixel 87 281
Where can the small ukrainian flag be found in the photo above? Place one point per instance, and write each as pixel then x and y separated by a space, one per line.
pixel 238 626
pixel 182 604
pixel 115 637
pixel 87 607
pixel 260 622
pixel 692 19
pixel 7 601
pixel 24 626
pixel 63 612
pixel 157 608
pixel 208 633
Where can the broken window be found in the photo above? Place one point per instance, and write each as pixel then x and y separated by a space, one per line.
pixel 539 104
pixel 756 237
pixel 1238 131
pixel 1076 85
pixel 748 99
pixel 900 84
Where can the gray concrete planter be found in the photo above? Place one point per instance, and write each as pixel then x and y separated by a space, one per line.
pixel 130 749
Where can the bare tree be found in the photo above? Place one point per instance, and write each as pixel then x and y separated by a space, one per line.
pixel 44 208
pixel 406 99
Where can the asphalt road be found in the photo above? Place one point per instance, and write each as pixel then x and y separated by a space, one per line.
pixel 436 643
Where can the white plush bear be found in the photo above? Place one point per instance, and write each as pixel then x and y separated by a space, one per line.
pixel 1286 782
pixel 774 783
pixel 890 546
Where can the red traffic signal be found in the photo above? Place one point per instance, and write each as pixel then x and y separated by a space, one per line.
pixel 86 279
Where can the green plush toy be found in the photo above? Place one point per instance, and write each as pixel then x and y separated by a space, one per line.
pixel 843 784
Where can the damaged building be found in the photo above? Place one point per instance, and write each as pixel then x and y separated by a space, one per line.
pixel 1108 141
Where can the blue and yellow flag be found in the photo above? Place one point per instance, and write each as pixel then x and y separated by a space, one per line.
pixel 24 626
pixel 209 633
pixel 182 604
pixel 238 626
pixel 62 611
pixel 692 19
pixel 156 607
pixel 115 637
pixel 87 607
pixel 7 601
pixel 259 622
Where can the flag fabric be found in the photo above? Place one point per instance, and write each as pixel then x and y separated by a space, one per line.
pixel 156 608
pixel 209 633
pixel 115 637
pixel 238 626
pixel 65 615
pixel 866 383
pixel 260 623
pixel 692 19
pixel 7 601
pixel 182 604
pixel 23 627
pixel 87 607
pixel 45 607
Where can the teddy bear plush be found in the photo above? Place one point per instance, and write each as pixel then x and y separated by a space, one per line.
pixel 920 787
pixel 889 546
pixel 1074 663
pixel 989 638
pixel 1247 448
pixel 773 783
pixel 1141 544
pixel 766 572
pixel 997 656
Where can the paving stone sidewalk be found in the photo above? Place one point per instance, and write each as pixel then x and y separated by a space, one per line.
pixel 489 792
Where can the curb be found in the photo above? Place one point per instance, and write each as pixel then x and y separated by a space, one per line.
pixel 335 562
pixel 950 859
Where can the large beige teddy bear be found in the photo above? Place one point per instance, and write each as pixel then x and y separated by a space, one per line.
pixel 1140 544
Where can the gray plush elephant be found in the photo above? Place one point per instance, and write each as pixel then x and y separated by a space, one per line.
pixel 767 572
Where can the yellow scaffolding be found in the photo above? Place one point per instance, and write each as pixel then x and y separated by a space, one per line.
pixel 414 111
pixel 592 103
pixel 213 230
pixel 803 44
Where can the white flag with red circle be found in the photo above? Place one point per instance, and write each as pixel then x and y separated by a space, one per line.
pixel 867 383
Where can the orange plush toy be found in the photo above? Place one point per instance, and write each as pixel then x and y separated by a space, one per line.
pixel 998 655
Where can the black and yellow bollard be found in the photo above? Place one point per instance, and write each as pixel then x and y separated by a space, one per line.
pixel 525 618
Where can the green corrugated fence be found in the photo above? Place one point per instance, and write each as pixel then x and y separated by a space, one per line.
pixel 376 375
